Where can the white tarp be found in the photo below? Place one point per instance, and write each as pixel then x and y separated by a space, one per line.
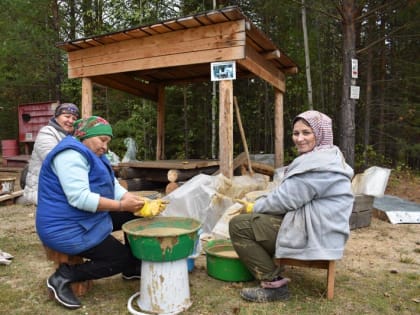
pixel 398 210
pixel 206 198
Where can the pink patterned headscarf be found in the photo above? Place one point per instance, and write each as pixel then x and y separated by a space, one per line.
pixel 321 125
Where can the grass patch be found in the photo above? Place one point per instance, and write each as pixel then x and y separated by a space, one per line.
pixel 358 290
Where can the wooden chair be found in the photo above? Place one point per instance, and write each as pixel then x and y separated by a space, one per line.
pixel 320 264
pixel 79 288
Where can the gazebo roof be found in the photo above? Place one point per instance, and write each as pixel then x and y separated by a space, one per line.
pixel 176 51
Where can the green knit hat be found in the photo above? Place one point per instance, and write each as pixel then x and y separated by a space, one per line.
pixel 92 126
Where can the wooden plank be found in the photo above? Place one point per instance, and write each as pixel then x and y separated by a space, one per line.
pixel 117 37
pixel 87 97
pixel 182 40
pixel 147 174
pixel 261 168
pixel 320 264
pixel 150 31
pixel 174 25
pixel 136 33
pixel 269 55
pixel 233 13
pixel 160 28
pixel 10 169
pixel 203 18
pixel 12 195
pixel 190 58
pixel 189 22
pixel 170 164
pixel 177 175
pixel 92 43
pixel 126 56
pixel 105 40
pixel 278 129
pixel 216 17
pixel 125 83
pixel 260 38
pixel 226 127
pixel 262 68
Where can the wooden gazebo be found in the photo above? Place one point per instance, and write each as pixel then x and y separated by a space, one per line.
pixel 145 59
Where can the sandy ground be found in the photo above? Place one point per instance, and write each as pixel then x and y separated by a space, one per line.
pixel 381 246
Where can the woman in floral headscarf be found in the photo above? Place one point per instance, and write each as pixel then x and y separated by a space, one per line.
pixel 305 217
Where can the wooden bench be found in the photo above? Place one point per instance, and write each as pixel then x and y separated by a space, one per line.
pixel 79 288
pixel 320 264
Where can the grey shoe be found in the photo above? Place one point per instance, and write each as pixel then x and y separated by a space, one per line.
pixel 63 294
pixel 261 295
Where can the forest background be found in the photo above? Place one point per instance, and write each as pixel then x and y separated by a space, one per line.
pixel 384 121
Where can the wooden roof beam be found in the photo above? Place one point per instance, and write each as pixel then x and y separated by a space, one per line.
pixel 127 84
pixel 274 54
pixel 264 69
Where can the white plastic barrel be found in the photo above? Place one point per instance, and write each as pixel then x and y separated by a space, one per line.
pixel 164 288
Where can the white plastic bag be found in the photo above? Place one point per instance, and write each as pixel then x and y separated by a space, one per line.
pixel 221 229
pixel 371 182
pixel 131 153
pixel 112 157
pixel 206 198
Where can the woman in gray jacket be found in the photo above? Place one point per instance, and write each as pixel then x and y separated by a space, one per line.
pixel 48 137
pixel 305 217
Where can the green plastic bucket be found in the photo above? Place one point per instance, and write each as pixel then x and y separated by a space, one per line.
pixel 162 238
pixel 222 266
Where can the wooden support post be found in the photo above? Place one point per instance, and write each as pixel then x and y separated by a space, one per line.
pixel 160 141
pixel 278 129
pixel 226 127
pixel 87 96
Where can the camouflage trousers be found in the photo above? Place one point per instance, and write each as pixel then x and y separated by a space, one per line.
pixel 254 238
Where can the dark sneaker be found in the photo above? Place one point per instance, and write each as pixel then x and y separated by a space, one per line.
pixel 264 294
pixel 63 294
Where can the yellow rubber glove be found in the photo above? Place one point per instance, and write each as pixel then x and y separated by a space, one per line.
pixel 151 208
pixel 248 206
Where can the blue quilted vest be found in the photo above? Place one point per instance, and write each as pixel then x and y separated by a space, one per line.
pixel 61 226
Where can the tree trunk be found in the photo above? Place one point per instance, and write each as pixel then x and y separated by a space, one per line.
pixel 368 105
pixel 307 58
pixel 57 55
pixel 382 93
pixel 347 111
pixel 185 117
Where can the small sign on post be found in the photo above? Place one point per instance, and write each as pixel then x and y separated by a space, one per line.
pixel 223 70
pixel 354 68
pixel 354 92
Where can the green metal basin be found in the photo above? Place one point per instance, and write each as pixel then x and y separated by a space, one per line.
pixel 162 238
pixel 221 265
